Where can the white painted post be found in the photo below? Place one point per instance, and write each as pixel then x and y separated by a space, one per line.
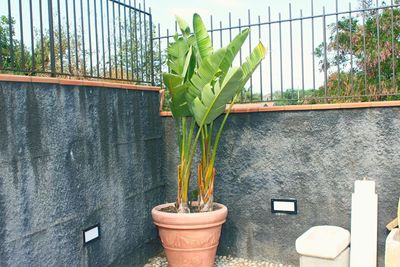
pixel 364 220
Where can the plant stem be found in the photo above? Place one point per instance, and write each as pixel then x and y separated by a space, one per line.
pixel 214 152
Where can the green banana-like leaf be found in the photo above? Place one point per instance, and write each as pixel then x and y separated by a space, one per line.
pixel 211 104
pixel 177 52
pixel 252 62
pixel 178 90
pixel 183 26
pixel 206 73
pixel 232 49
pixel 202 38
pixel 187 62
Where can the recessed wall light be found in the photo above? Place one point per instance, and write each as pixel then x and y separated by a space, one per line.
pixel 287 205
pixel 90 234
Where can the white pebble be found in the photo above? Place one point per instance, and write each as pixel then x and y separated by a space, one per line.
pixel 221 261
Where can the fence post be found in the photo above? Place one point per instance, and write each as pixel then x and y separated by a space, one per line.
pixel 151 49
pixel 51 35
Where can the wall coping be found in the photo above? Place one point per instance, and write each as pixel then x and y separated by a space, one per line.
pixel 267 107
pixel 237 108
pixel 76 82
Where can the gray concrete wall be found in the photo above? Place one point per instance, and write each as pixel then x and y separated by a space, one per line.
pixel 313 156
pixel 72 157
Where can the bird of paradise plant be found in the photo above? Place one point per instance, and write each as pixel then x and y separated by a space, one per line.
pixel 201 83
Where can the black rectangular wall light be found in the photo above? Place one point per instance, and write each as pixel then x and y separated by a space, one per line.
pixel 92 233
pixel 288 206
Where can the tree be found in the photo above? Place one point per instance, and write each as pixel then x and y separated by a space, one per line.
pixel 13 55
pixel 366 71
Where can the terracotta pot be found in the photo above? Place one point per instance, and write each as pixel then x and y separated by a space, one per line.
pixel 190 240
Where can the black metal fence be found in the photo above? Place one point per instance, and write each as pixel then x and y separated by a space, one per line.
pixel 349 55
pixel 327 57
pixel 105 39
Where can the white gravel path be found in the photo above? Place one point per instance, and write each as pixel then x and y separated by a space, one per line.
pixel 221 261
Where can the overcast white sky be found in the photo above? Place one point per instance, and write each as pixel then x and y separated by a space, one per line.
pixel 164 10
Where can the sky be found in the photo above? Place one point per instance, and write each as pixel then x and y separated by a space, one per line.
pixel 165 10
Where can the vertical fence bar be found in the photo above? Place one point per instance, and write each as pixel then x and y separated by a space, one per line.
pixel 1 45
pixel 230 27
pixel 146 63
pixel 108 40
pixel 302 52
pixel 351 51
pixel 90 39
pixel 364 52
pixel 337 47
pixel 325 56
pixel 96 36
pixel 83 40
pixel 136 43
pixel 10 29
pixel 151 48
pixel 102 37
pixel 141 45
pixel 60 36
pixel 126 44
pixel 22 37
pixel 291 50
pixel 168 47
pixel 280 52
pixel 312 43
pixel 378 46
pixel 212 29
pixel 220 34
pixel 115 41
pixel 146 59
pixel 76 37
pixel 120 43
pixel 394 84
pixel 68 37
pixel 240 58
pixel 32 37
pixel 131 37
pixel 1 54
pixel 270 54
pixel 261 78
pixel 251 78
pixel 159 54
pixel 51 35
pixel 41 33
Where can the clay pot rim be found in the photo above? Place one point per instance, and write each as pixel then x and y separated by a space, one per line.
pixel 158 208
pixel 206 219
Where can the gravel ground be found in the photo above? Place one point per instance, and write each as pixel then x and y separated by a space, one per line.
pixel 221 261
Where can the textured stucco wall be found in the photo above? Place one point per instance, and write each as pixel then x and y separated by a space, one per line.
pixel 313 156
pixel 72 157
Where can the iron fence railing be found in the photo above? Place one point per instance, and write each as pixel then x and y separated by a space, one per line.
pixel 346 55
pixel 105 39
pixel 330 57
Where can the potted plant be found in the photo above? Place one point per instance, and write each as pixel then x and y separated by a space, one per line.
pixel 201 82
